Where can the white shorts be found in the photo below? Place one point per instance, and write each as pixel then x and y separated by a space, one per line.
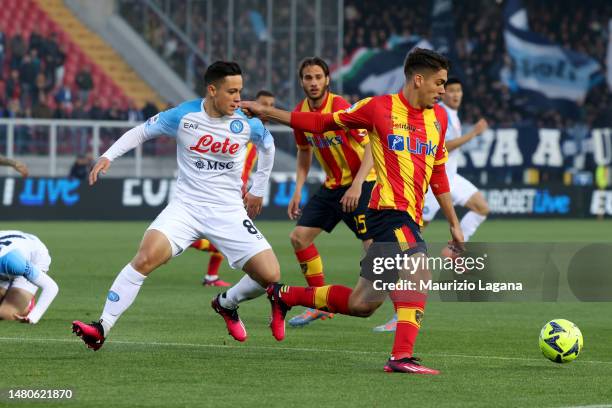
pixel 461 190
pixel 20 283
pixel 228 228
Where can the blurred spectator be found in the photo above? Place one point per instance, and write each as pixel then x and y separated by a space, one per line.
pixel 2 53
pixel 18 50
pixel 63 96
pixel 84 83
pixel 27 74
pixel 13 86
pixel 115 112
pixel 81 167
pixel 41 109
pixel 134 114
pixel 149 110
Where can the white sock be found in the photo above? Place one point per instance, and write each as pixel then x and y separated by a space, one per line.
pixel 121 296
pixel 470 223
pixel 245 289
pixel 211 278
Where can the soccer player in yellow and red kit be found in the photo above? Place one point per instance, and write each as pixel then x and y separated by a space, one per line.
pixel 348 184
pixel 406 132
pixel 211 278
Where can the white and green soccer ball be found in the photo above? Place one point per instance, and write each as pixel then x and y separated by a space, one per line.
pixel 560 341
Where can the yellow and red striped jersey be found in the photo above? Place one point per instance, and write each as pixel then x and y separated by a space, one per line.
pixel 406 144
pixel 249 163
pixel 339 152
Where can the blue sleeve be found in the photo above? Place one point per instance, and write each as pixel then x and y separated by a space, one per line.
pixel 167 122
pixel 14 264
pixel 260 136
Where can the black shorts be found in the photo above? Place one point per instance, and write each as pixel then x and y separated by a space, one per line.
pixel 324 211
pixel 393 233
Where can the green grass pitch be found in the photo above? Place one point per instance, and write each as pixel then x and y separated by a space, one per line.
pixel 171 350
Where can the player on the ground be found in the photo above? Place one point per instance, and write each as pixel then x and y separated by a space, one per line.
pixel 463 192
pixel 24 264
pixel 407 136
pixel 346 158
pixel 216 257
pixel 211 136
pixel 16 164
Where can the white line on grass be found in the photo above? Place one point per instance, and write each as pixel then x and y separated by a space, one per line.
pixel 590 406
pixel 276 348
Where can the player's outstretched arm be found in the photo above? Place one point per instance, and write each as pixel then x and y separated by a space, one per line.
pixel 479 127
pixel 49 291
pixel 314 122
pixel 102 165
pixel 16 164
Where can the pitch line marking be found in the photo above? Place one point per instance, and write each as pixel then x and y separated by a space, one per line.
pixel 276 348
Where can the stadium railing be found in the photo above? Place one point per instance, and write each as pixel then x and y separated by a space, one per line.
pixel 61 140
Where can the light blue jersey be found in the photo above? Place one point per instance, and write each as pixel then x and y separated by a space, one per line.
pixel 210 151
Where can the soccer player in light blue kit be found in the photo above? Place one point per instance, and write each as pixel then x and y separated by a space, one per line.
pixel 211 139
pixel 24 263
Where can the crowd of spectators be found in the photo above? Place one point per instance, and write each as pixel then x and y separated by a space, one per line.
pixel 33 85
pixel 249 44
pixel 578 25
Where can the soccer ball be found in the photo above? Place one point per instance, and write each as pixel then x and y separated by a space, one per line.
pixel 560 341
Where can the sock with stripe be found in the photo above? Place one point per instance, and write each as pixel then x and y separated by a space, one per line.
pixel 312 265
pixel 409 307
pixel 330 298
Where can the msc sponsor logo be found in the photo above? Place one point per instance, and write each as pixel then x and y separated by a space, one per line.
pixel 527 201
pixel 207 144
pixel 214 165
pixel 323 142
pixel 414 146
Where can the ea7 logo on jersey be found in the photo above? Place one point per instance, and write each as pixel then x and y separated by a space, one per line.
pixel 153 119
pixel 414 146
pixel 207 144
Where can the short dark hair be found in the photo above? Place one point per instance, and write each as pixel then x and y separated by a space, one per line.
pixel 452 81
pixel 264 92
pixel 310 61
pixel 421 59
pixel 219 70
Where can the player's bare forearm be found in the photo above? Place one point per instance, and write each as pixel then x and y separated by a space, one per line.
pixel 366 165
pixel 446 205
pixel 304 161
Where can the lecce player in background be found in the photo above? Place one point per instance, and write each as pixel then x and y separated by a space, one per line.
pixel 346 159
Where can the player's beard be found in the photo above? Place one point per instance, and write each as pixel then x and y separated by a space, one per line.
pixel 318 97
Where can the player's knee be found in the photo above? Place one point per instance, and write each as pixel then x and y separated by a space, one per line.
pixel 361 309
pixel 298 240
pixel 482 208
pixel 144 262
